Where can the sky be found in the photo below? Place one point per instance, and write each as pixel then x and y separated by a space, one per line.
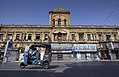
pixel 82 12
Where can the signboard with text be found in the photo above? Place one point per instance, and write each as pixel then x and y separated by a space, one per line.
pixel 84 47
pixel 62 47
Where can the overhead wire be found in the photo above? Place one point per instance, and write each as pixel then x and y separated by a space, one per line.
pixel 110 14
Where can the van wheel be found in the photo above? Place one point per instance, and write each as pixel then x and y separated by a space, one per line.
pixel 46 65
pixel 22 65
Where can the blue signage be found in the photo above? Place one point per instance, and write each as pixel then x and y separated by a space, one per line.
pixel 80 47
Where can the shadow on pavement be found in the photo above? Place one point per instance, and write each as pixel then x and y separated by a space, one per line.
pixel 40 67
pixel 83 69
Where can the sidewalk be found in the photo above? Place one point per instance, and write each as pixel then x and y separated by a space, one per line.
pixel 68 61
pixel 83 60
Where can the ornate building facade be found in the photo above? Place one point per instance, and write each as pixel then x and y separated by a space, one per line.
pixel 60 34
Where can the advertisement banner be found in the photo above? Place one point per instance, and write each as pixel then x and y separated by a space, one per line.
pixel 84 47
pixel 61 47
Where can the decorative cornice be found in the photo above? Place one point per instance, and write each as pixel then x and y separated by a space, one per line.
pixel 70 26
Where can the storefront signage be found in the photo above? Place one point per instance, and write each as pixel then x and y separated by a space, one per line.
pixel 62 47
pixel 61 51
pixel 84 47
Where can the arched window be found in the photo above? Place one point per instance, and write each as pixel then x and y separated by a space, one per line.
pixel 59 22
pixel 65 22
pixel 53 22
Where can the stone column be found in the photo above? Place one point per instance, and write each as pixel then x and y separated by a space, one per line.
pixel 20 36
pixel 117 35
pixel 97 37
pixel 112 37
pixel 62 22
pixel 85 36
pixel 42 37
pixel 5 35
pixel 26 36
pixel 52 37
pixel 33 36
pixel 77 36
pixel 69 38
pixel 23 36
pixel 91 36
pixel 103 37
pixel 14 36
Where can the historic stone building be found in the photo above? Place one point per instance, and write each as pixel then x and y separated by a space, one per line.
pixel 61 35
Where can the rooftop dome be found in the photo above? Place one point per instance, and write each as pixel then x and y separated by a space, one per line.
pixel 59 10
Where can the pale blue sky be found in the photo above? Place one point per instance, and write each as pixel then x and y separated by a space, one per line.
pixel 83 12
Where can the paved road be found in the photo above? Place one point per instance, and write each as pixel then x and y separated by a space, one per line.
pixel 63 69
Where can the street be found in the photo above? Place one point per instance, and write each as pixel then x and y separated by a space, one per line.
pixel 63 69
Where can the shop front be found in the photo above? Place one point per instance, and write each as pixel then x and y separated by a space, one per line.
pixel 61 52
pixel 115 50
pixel 85 51
pixel 109 50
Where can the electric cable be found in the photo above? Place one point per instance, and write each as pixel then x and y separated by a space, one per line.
pixel 110 14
